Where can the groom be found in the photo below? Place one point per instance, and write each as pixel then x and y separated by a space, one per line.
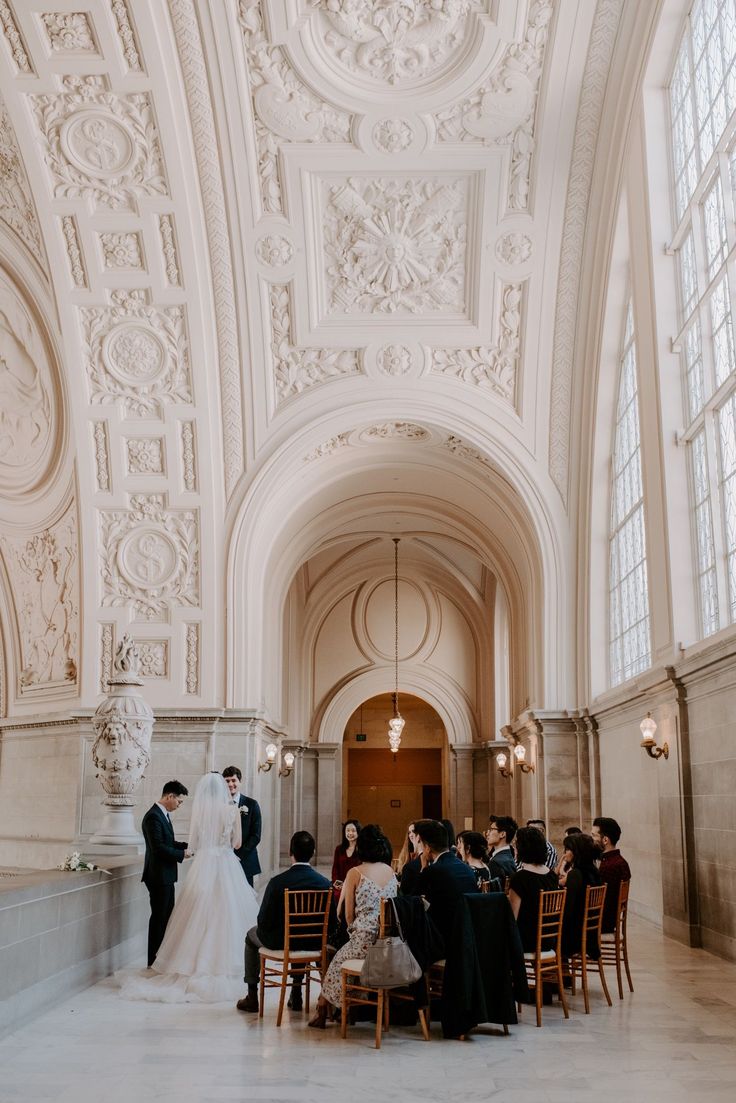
pixel 250 822
pixel 163 853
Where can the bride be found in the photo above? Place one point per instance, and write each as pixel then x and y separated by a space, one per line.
pixel 201 956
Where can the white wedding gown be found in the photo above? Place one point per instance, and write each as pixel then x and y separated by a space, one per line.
pixel 201 956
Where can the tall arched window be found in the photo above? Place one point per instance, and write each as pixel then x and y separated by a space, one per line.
pixel 629 633
pixel 703 115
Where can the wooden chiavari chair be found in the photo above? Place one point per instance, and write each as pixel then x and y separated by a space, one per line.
pixel 595 896
pixel 546 963
pixel 306 916
pixel 614 946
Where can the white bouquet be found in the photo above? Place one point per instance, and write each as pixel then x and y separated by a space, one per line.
pixel 75 862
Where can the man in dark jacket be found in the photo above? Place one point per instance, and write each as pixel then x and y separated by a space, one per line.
pixel 250 823
pixel 444 878
pixel 163 853
pixel 269 930
pixel 500 835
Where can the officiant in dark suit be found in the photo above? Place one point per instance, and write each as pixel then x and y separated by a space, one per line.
pixel 270 928
pixel 250 823
pixel 160 867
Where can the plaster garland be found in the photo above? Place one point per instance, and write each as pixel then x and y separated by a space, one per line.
pixel 494 368
pixel 191 684
pixel 16 203
pixel 126 34
pixel 107 642
pixel 296 369
pixel 15 39
pixel 102 455
pixel 600 52
pixel 188 455
pixel 76 261
pixel 168 245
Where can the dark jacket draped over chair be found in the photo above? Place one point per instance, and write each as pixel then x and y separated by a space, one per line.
pixel 484 967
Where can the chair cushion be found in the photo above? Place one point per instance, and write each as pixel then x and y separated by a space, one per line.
pixel 294 955
pixel 546 955
pixel 353 966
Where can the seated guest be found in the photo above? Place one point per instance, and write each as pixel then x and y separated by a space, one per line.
pixel 447 824
pixel 527 883
pixel 501 834
pixel 365 886
pixel 473 850
pixel 613 868
pixel 487 834
pixel 443 879
pixel 573 831
pixel 345 857
pixel 407 850
pixel 551 859
pixel 269 930
pixel 580 856
pixel 410 869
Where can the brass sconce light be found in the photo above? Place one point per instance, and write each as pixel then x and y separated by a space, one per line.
pixel 648 727
pixel 271 753
pixel 521 762
pixel 288 760
pixel 506 764
pixel 503 769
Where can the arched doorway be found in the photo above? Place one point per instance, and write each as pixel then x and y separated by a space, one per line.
pixel 392 790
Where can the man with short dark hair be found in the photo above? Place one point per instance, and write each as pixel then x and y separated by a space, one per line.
pixel 613 867
pixel 501 834
pixel 552 859
pixel 163 853
pixel 443 879
pixel 269 930
pixel 250 824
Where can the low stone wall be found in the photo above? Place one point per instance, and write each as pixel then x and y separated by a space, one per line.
pixel 60 932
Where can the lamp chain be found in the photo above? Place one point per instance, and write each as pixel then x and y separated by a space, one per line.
pixel 396 626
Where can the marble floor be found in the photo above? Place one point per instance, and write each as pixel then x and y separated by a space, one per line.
pixel 673 1040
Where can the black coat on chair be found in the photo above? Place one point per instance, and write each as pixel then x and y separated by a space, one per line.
pixel 443 884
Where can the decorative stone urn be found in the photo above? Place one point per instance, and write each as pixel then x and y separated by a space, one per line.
pixel 121 752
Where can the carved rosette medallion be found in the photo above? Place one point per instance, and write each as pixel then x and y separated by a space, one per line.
pixel 123 725
pixel 394 360
pixel 28 421
pixel 514 248
pixel 392 135
pixel 149 557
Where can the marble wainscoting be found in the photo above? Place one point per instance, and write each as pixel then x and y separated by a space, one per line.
pixel 672 1041
pixel 61 932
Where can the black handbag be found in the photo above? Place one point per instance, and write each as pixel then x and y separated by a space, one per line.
pixel 389 962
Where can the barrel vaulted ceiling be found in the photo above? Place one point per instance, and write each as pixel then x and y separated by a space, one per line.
pixel 231 224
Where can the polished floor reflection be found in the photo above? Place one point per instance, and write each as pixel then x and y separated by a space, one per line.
pixel 673 1040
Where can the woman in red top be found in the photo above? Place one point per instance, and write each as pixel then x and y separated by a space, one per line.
pixel 345 857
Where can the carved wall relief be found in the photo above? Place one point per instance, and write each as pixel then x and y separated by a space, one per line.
pixel 122 252
pixel 145 455
pixel 98 145
pixel 137 354
pixel 188 455
pixel 43 570
pixel 126 34
pixel 295 369
pixel 168 245
pixel 154 658
pixel 192 659
pixel 16 205
pixel 76 261
pixel 495 367
pixel 394 360
pixel 28 396
pixel 102 454
pixel 69 32
pixel 18 48
pixel 149 557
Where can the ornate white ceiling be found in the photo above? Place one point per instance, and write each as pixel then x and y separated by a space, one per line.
pixel 230 226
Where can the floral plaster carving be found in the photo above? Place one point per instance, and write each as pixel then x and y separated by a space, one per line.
pixel 329 447
pixel 514 248
pixel 126 34
pixel 16 205
pixel 99 145
pixel 145 455
pixel 69 32
pixel 490 368
pixel 396 430
pixel 153 658
pixel 188 455
pixel 274 250
pixel 149 556
pixel 136 354
pixel 15 38
pixel 392 135
pixel 394 360
pixel 76 261
pixel 501 111
pixel 107 640
pixel 168 244
pixel 43 570
pixel 27 409
pixel 122 251
pixel 192 659
pixel 395 244
pixel 458 447
pixel 395 43
pixel 295 369
pixel 102 454
pixel 286 110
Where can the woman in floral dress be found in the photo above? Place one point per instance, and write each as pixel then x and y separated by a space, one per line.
pixel 364 888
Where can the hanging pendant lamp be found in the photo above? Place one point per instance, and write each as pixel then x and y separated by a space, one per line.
pixel 396 724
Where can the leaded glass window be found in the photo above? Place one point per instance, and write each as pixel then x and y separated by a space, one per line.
pixel 629 635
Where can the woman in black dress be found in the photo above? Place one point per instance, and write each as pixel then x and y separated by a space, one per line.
pixel 527 883
pixel 580 855
pixel 472 849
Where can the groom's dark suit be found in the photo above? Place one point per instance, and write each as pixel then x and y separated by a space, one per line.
pixel 160 873
pixel 250 824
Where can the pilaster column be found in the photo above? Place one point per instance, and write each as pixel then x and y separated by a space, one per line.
pixel 460 804
pixel 328 799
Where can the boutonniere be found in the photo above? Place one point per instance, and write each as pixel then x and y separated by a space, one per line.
pixel 244 810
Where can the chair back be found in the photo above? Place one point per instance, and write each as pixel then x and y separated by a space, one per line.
pixel 595 898
pixel 549 925
pixel 623 906
pixel 306 918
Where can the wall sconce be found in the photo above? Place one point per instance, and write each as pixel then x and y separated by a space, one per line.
pixel 520 756
pixel 648 727
pixel 288 760
pixel 503 769
pixel 271 752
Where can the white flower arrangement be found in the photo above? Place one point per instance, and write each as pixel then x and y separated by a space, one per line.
pixel 74 863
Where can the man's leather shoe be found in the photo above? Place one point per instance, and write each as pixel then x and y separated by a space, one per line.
pixel 294 1003
pixel 248 1003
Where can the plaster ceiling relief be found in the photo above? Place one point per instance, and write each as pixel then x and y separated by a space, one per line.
pixel 136 355
pixel 17 211
pixel 69 33
pixel 29 423
pixel 394 360
pixel 492 368
pixel 295 369
pixel 16 42
pixel 400 432
pixel 149 557
pixel 99 145
pixel 43 569
pixel 398 46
